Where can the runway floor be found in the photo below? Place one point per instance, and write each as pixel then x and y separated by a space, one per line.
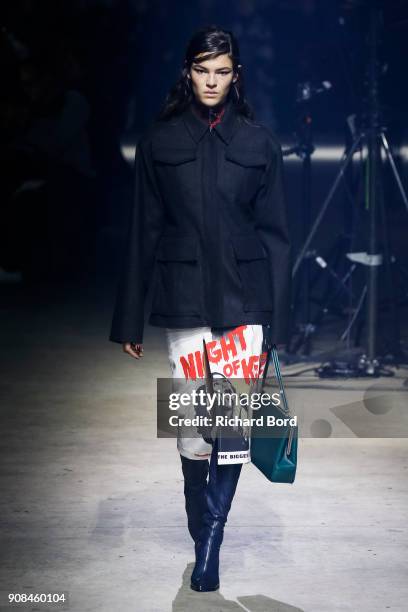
pixel 92 502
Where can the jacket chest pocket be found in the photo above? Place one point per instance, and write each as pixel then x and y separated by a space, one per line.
pixel 253 269
pixel 242 172
pixel 178 281
pixel 174 167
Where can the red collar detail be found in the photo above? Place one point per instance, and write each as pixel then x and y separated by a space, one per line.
pixel 218 118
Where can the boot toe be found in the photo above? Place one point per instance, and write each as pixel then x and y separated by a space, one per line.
pixel 202 587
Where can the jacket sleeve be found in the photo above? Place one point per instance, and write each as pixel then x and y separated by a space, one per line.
pixel 143 232
pixel 272 228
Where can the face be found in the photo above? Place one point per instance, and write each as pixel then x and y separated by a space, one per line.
pixel 211 80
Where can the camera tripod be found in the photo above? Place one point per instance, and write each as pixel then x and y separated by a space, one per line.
pixel 371 137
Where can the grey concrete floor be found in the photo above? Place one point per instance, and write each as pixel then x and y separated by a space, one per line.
pixel 92 502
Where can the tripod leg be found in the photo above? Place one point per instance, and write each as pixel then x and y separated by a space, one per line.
pixel 325 204
pixel 306 268
pixel 394 169
pixel 354 317
pixel 395 323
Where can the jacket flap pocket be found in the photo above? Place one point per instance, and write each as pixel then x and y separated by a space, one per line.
pixel 177 249
pixel 248 248
pixel 173 155
pixel 246 157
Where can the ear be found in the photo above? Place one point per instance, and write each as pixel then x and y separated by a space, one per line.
pixel 236 74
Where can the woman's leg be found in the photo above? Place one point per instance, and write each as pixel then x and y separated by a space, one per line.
pixel 195 483
pixel 222 484
pixel 194 451
pixel 184 346
pixel 223 478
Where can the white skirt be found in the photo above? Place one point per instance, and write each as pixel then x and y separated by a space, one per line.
pixel 236 352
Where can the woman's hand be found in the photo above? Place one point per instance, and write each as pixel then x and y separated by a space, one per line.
pixel 132 349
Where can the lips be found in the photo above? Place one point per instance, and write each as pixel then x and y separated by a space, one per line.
pixel 211 93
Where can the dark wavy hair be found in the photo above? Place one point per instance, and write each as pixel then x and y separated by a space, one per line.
pixel 212 41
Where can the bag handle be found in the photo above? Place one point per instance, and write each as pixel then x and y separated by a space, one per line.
pixel 273 352
pixel 276 363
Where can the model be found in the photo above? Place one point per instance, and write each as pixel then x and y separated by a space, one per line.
pixel 208 235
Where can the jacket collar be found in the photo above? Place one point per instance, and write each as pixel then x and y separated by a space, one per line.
pixel 225 129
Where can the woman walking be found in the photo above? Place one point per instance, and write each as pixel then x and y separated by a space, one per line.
pixel 209 231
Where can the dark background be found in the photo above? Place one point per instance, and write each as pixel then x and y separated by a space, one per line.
pixel 82 79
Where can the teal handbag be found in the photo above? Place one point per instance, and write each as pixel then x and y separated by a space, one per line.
pixel 274 454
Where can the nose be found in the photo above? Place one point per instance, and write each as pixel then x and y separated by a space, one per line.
pixel 211 83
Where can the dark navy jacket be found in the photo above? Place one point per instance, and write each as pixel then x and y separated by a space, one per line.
pixel 208 229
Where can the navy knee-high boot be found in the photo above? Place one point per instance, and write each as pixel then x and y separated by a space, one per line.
pixel 222 484
pixel 195 474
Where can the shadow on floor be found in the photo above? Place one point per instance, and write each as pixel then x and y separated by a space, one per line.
pixel 187 600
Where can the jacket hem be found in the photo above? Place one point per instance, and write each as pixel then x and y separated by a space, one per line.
pixel 184 322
